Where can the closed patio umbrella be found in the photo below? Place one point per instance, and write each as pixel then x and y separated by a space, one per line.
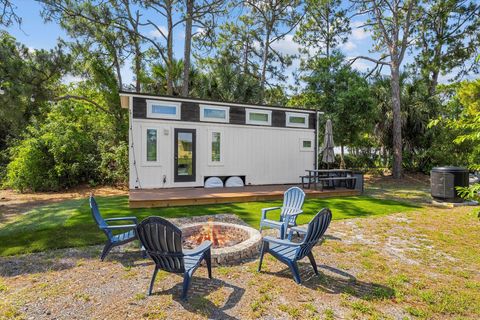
pixel 328 154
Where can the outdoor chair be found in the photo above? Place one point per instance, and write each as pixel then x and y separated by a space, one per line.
pixel 163 243
pixel 113 240
pixel 292 207
pixel 290 252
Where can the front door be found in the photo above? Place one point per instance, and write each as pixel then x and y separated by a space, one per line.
pixel 184 164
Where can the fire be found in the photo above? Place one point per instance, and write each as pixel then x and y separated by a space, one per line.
pixel 210 232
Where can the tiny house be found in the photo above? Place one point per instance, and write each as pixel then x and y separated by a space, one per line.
pixel 182 142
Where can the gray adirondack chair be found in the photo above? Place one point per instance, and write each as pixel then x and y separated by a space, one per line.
pixel 292 206
pixel 113 240
pixel 163 243
pixel 290 252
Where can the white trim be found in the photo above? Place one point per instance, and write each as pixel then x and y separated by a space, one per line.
pixel 222 148
pixel 193 125
pixel 145 162
pixel 302 148
pixel 177 105
pixel 203 107
pixel 261 123
pixel 157 98
pixel 296 125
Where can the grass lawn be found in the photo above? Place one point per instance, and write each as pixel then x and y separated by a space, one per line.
pixel 70 224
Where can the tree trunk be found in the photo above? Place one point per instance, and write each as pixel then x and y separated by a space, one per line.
pixel 169 62
pixel 188 48
pixel 397 122
pixel 245 56
pixel 263 78
pixel 118 71
pixel 138 66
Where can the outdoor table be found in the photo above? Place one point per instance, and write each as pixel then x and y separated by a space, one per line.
pixel 327 173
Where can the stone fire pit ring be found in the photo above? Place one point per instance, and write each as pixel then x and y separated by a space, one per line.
pixel 249 246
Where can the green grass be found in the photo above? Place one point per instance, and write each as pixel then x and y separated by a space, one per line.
pixel 70 224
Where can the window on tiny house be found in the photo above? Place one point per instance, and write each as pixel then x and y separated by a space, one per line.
pixel 299 120
pixel 216 138
pixel 214 113
pixel 163 109
pixel 151 145
pixel 259 117
pixel 306 145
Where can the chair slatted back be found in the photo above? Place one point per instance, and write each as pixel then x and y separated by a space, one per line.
pixel 101 223
pixel 292 201
pixel 316 229
pixel 163 242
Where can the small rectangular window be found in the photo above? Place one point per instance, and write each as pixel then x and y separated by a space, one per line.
pixel 299 120
pixel 151 144
pixel 259 117
pixel 306 144
pixel 216 138
pixel 163 109
pixel 214 113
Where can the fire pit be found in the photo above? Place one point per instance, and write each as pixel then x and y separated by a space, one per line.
pixel 231 243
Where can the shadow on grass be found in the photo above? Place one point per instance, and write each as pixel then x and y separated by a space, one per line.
pixel 335 281
pixel 198 302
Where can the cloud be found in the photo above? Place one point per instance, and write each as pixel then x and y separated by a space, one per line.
pixel 286 45
pixel 358 32
pixel 156 33
pixel 69 78
pixel 348 46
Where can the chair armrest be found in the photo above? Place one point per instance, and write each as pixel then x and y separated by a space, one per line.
pixel 298 229
pixel 122 218
pixel 294 212
pixel 124 226
pixel 204 246
pixel 280 241
pixel 265 210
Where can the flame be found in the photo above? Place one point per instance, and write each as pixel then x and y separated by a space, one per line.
pixel 209 232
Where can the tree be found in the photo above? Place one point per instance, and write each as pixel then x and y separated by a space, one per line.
pixel 224 80
pixel 324 27
pixel 343 94
pixel 8 16
pixel 275 19
pixel 29 79
pixel 202 14
pixel 392 23
pixel 448 39
pixel 236 43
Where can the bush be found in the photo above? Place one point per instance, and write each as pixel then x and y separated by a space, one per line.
pixel 74 145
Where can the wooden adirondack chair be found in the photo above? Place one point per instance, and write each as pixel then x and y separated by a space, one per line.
pixel 163 243
pixel 113 240
pixel 290 252
pixel 292 206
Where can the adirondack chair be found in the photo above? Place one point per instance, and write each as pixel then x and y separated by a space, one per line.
pixel 290 252
pixel 163 243
pixel 292 207
pixel 113 240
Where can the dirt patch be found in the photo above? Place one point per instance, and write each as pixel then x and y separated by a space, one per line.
pixel 13 203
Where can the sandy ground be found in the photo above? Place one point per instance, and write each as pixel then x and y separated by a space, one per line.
pixel 401 266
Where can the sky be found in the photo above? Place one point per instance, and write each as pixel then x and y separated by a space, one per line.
pixel 37 34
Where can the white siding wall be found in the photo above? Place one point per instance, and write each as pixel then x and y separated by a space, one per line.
pixel 265 155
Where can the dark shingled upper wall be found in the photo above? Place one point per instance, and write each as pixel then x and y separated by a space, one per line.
pixel 191 112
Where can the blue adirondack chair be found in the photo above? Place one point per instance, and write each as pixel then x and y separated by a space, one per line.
pixel 163 243
pixel 292 206
pixel 113 240
pixel 290 252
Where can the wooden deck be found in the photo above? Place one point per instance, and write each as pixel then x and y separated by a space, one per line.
pixel 150 198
